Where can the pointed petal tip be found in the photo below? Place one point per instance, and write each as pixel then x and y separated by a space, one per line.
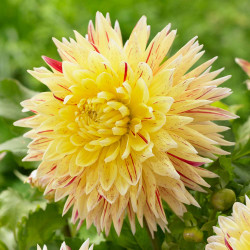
pixel 193 39
pixel 57 65
pixel 56 41
pixel 237 60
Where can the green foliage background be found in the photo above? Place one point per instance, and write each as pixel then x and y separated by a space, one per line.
pixel 26 30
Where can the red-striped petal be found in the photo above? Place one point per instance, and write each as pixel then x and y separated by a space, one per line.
pixel 53 63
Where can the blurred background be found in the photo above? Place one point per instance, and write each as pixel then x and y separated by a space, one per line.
pixel 26 29
pixel 222 26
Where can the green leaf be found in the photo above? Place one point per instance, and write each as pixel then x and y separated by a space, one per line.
pixel 39 226
pixel 243 150
pixel 242 147
pixel 189 220
pixel 246 189
pixel 140 240
pixel 8 130
pixel 73 242
pixel 13 207
pixel 11 94
pixel 223 167
pixel 107 245
pixel 7 163
pixel 7 240
pixel 209 225
pixel 90 233
pixel 242 172
pixel 176 226
pixel 244 133
pixel 18 147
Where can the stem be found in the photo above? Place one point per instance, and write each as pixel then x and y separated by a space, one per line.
pixel 67 231
pixel 154 241
pixel 213 215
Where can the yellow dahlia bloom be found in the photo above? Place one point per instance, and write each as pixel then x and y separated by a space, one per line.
pixel 84 246
pixel 233 232
pixel 120 130
pixel 245 65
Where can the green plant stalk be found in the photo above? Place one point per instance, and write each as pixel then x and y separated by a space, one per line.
pixel 67 231
pixel 154 241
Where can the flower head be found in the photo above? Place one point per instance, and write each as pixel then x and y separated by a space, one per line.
pixel 84 246
pixel 120 129
pixel 233 232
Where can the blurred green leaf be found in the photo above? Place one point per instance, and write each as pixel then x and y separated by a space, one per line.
pixel 243 133
pixel 11 94
pixel 39 226
pixel 89 233
pixel 209 225
pixel 139 240
pixel 7 240
pixel 18 147
pixel 13 207
pixel 243 150
pixel 242 172
pixel 8 130
pixel 108 245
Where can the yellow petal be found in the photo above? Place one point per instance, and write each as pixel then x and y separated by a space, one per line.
pixel 108 173
pixel 84 158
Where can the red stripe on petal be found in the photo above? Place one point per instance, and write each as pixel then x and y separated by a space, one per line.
pixel 130 176
pixel 44 131
pixel 125 71
pixel 150 52
pixel 58 98
pixel 35 156
pixel 184 176
pixel 69 204
pixel 52 169
pixel 90 32
pixel 159 200
pixel 143 138
pixel 64 87
pixel 133 165
pixel 76 215
pixel 107 36
pixel 95 48
pixel 193 163
pixel 53 63
pixel 227 244
pixel 70 181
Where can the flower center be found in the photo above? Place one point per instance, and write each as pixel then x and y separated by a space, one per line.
pixel 101 119
pixel 89 111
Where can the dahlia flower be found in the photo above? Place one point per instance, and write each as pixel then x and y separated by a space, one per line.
pixel 84 246
pixel 120 129
pixel 245 65
pixel 233 232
